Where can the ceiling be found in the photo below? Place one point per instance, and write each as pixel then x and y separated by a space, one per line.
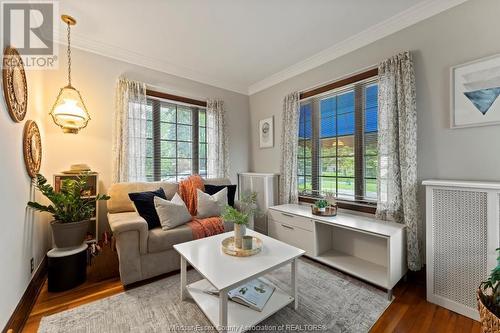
pixel 240 45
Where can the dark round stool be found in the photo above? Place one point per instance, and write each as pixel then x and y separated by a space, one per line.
pixel 67 268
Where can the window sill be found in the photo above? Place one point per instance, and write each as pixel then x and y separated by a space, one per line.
pixel 369 208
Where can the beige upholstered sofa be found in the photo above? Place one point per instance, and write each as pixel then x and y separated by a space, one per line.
pixel 145 253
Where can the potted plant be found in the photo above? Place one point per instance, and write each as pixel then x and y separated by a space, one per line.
pixel 488 300
pixel 70 211
pixel 240 220
pixel 248 204
pixel 321 205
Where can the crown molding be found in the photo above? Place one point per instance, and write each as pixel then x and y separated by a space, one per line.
pixel 111 51
pixel 385 28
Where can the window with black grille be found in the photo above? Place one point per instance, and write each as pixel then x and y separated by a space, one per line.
pixel 338 142
pixel 176 140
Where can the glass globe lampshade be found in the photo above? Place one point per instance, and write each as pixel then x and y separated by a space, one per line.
pixel 69 111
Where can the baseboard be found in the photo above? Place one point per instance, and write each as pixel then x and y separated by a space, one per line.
pixel 23 308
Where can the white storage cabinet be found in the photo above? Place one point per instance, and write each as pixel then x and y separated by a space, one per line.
pixel 361 246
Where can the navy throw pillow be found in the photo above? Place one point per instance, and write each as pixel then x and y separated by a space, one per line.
pixel 144 203
pixel 231 192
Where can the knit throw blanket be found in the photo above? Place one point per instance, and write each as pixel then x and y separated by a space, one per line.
pixel 200 227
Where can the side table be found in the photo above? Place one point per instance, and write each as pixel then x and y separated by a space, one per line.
pixel 67 267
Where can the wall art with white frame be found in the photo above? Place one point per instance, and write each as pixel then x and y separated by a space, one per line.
pixel 475 88
pixel 266 133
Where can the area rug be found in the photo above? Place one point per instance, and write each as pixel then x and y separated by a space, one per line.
pixel 329 301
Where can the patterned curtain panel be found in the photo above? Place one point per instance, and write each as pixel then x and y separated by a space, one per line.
pixel 397 147
pixel 289 148
pixel 217 150
pixel 129 142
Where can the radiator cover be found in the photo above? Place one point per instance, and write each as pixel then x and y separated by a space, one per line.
pixel 462 233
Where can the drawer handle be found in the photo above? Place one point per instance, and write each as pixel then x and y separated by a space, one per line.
pixel 287 215
pixel 288 227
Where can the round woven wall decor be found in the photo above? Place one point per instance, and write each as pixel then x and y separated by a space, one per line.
pixel 32 148
pixel 15 88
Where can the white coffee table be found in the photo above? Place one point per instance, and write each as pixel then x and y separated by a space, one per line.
pixel 226 272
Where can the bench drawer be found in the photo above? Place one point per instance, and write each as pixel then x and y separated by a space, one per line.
pixel 303 239
pixel 291 219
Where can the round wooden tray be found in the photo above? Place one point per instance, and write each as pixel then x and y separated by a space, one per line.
pixel 228 247
pixel 330 211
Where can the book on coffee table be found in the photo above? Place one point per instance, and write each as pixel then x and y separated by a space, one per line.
pixel 253 294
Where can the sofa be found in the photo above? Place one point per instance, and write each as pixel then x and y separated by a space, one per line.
pixel 144 253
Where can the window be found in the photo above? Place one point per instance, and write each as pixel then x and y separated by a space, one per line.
pixel 338 142
pixel 176 144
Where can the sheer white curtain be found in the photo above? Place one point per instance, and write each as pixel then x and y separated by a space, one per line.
pixel 129 143
pixel 289 148
pixel 397 151
pixel 217 149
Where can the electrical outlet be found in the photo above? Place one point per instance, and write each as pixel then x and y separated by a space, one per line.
pixel 32 265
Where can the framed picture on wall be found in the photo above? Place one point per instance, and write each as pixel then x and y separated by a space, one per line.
pixel 475 88
pixel 266 133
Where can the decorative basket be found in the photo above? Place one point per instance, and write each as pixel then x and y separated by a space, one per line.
pixel 489 322
pixel 329 211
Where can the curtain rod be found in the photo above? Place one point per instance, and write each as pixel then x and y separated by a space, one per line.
pixel 176 98
pixel 343 77
pixel 173 91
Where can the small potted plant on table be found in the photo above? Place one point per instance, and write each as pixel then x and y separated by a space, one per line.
pixel 321 205
pixel 240 221
pixel 248 204
pixel 488 301
pixel 71 212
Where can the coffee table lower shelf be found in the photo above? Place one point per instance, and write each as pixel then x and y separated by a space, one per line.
pixel 239 317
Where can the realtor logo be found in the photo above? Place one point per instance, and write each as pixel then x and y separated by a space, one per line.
pixel 29 27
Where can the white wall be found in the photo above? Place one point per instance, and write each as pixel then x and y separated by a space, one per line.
pixel 462 34
pixel 23 236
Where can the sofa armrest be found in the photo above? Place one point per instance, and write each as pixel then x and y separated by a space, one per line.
pixel 130 222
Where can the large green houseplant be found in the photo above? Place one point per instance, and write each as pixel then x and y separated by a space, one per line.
pixel 71 212
pixel 489 300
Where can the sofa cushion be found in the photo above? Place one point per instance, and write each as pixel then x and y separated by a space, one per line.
pixel 120 201
pixel 211 205
pixel 231 191
pixel 172 213
pixel 144 203
pixel 161 240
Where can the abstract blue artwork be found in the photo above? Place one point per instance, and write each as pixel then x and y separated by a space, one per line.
pixel 484 98
pixel 475 92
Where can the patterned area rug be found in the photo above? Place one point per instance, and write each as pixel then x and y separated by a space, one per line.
pixel 329 301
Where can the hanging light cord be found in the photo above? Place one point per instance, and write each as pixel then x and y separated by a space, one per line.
pixel 69 55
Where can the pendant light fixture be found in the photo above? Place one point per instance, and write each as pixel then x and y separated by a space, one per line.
pixel 69 111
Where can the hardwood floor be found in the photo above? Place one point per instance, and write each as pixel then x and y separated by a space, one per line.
pixel 409 312
pixel 102 281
